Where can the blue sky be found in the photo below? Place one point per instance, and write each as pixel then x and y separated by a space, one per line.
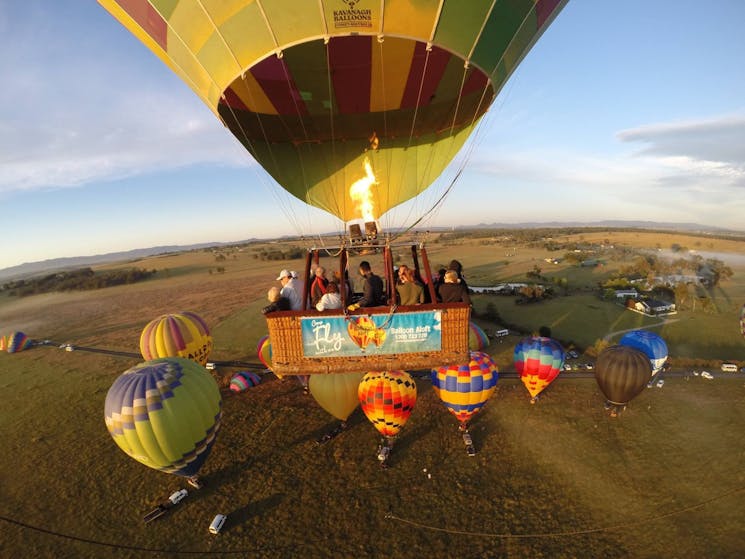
pixel 623 110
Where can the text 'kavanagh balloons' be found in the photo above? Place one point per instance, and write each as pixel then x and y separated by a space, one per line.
pixel 182 334
pixel 464 389
pixel 387 399
pixel 165 414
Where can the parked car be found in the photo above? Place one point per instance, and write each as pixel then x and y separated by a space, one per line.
pixel 729 368
pixel 571 354
pixel 661 383
pixel 568 367
pixel 178 496
pixel 707 375
pixel 217 523
pixel 695 373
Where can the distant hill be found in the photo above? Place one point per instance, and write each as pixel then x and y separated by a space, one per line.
pixel 682 227
pixel 33 268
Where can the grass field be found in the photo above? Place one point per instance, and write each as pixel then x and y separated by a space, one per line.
pixel 557 479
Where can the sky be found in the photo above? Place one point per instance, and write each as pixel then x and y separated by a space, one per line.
pixel 628 110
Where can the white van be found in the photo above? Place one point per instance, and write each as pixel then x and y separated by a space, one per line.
pixel 217 523
pixel 729 368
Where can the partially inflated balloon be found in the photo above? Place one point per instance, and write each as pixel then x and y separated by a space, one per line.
pixel 652 345
pixel 337 393
pixel 243 380
pixel 622 372
pixel 182 334
pixel 538 361
pixel 17 341
pixel 464 389
pixel 323 94
pixel 3 343
pixel 165 414
pixel 387 398
pixel 477 338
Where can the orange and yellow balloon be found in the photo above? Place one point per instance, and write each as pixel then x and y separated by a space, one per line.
pixel 387 399
pixel 182 334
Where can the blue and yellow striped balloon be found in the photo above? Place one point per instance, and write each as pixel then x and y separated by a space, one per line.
pixel 464 389
pixel 165 414
pixel 538 361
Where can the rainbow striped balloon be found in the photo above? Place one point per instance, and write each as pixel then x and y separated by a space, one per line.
pixel 183 334
pixel 464 389
pixel 3 343
pixel 17 341
pixel 477 338
pixel 538 361
pixel 243 380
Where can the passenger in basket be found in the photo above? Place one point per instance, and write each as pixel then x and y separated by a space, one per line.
pixel 289 290
pixel 409 291
pixel 453 290
pixel 319 285
pixel 276 301
pixel 331 299
pixel 372 290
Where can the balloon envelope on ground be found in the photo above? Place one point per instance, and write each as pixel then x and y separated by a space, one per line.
pixel 387 399
pixel 651 344
pixel 182 334
pixel 3 343
pixel 622 372
pixel 17 341
pixel 165 414
pixel 243 380
pixel 477 338
pixel 336 393
pixel 464 389
pixel 538 360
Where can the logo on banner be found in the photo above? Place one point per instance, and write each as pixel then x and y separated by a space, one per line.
pixel 352 17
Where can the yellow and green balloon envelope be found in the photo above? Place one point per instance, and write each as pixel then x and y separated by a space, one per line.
pixel 165 414
pixel 324 93
pixel 182 334
pixel 337 393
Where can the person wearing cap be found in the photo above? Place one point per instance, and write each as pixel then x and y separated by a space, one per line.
pixel 290 290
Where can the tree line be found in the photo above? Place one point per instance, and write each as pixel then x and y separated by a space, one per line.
pixel 75 280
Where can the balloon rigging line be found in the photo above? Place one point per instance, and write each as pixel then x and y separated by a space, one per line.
pixel 567 533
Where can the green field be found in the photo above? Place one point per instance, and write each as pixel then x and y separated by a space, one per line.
pixel 556 479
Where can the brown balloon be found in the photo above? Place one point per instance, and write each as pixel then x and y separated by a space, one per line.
pixel 622 372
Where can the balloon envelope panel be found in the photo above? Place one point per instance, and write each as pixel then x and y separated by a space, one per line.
pixel 538 360
pixel 651 344
pixel 387 399
pixel 182 334
pixel 622 372
pixel 165 414
pixel 742 321
pixel 464 389
pixel 336 393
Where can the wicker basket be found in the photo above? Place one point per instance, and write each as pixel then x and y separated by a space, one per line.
pixel 287 344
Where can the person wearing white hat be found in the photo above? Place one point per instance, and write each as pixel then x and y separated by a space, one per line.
pixel 290 290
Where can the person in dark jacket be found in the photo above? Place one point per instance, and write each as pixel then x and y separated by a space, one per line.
pixel 453 290
pixel 276 301
pixel 372 289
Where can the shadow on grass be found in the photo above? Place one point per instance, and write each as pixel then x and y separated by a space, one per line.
pixel 258 508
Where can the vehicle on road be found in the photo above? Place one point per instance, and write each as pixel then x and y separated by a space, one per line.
pixel 707 375
pixel 661 383
pixel 178 496
pixel 729 368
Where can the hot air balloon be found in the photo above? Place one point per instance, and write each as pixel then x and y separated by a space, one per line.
pixel 183 334
pixel 17 341
pixel 652 345
pixel 337 394
pixel 621 372
pixel 477 338
pixel 538 360
pixel 465 389
pixel 243 380
pixel 3 343
pixel 264 351
pixel 387 399
pixel 324 94
pixel 165 414
pixel 742 321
